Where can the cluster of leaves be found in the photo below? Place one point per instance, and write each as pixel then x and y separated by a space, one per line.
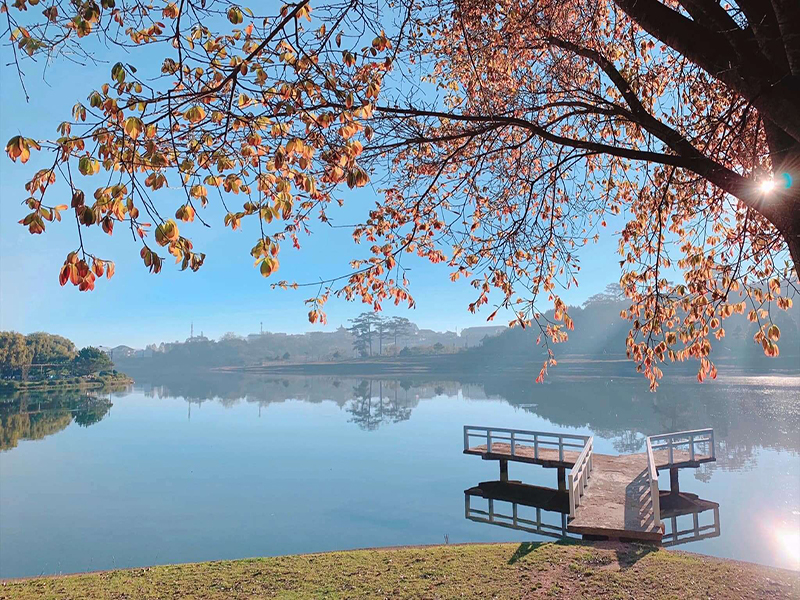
pixel 79 272
pixel 533 126
pixel 270 111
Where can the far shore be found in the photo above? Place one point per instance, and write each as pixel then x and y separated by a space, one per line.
pixel 460 366
pixel 531 570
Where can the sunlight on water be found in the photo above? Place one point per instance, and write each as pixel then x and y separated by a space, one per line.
pixel 787 545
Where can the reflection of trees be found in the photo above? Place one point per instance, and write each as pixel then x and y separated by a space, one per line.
pixel 230 389
pixel 629 442
pixel 365 414
pixel 746 414
pixel 35 416
pixel 390 406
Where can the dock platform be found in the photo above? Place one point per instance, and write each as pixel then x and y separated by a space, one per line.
pixel 609 496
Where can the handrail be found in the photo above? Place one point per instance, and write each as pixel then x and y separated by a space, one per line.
pixel 523 436
pixel 579 476
pixel 680 439
pixel 652 474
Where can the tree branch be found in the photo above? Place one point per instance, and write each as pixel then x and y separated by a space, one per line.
pixel 775 100
pixel 722 177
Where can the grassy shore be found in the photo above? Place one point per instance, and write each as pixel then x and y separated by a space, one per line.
pixel 92 382
pixel 550 570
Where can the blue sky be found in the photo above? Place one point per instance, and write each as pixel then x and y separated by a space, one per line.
pixel 227 294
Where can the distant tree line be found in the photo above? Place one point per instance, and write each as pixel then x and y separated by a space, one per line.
pixel 369 334
pixel 371 326
pixel 41 355
pixel 599 332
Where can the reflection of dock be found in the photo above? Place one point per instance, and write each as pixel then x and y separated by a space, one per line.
pixel 675 505
pixel 608 496
pixel 521 497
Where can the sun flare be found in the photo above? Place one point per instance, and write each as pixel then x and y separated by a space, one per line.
pixel 788 544
pixel 767 186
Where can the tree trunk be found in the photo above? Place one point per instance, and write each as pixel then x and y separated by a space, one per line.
pixel 786 199
pixel 790 224
pixel 793 241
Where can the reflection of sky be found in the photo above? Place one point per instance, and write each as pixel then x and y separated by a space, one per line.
pixel 147 485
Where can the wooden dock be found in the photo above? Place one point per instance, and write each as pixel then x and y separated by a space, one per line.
pixel 615 497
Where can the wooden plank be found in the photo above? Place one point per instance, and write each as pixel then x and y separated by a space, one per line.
pixel 617 501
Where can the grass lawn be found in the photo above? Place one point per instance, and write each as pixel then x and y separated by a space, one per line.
pixel 550 570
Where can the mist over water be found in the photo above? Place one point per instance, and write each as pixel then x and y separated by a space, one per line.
pixel 205 466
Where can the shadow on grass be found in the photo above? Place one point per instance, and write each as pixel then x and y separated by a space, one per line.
pixel 526 548
pixel 629 556
pixel 523 550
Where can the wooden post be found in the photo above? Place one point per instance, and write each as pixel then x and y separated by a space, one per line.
pixel 503 470
pixel 562 479
pixel 674 488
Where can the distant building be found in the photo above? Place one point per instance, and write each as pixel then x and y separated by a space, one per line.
pixel 472 336
pixel 121 352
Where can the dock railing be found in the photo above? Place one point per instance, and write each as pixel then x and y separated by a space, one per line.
pixel 522 437
pixel 579 476
pixel 699 442
pixel 652 473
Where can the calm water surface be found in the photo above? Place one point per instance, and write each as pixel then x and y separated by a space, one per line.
pixel 223 466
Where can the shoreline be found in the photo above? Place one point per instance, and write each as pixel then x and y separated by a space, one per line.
pixel 445 367
pixel 55 385
pixel 503 570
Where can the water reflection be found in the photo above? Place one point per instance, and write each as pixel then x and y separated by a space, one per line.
pixel 515 505
pixel 393 407
pixel 544 511
pixel 744 416
pixel 36 416
pixel 386 452
pixel 678 508
pixel 746 413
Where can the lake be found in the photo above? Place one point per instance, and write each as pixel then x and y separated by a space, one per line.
pixel 210 466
